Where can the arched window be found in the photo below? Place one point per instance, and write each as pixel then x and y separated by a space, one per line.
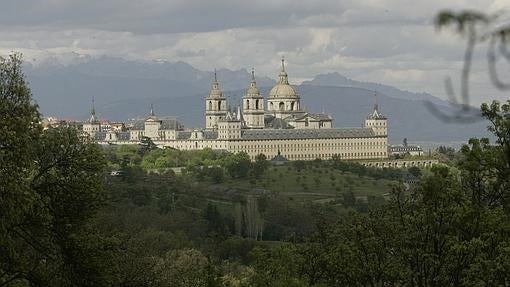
pixel 292 106
pixel 247 104
pixel 256 104
pixel 219 105
pixel 281 106
pixel 210 105
pixel 271 106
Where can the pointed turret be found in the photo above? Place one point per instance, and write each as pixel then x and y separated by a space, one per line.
pixel 215 105
pixel 93 125
pixel 376 120
pixel 253 105
pixel 284 79
pixel 93 112
pixel 376 114
pixel 215 90
pixel 152 111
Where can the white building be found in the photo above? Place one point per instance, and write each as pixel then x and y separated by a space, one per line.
pixel 405 149
pixel 280 126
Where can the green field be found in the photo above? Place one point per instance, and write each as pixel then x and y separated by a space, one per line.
pixel 317 183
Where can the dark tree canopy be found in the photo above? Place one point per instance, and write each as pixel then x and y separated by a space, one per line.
pixel 50 188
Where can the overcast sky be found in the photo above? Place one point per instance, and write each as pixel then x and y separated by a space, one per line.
pixel 386 41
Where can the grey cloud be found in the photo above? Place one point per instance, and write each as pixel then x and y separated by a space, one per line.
pixel 364 39
pixel 152 16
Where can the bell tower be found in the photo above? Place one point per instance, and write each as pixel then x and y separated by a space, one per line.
pixel 253 105
pixel 215 105
pixel 92 126
pixel 377 121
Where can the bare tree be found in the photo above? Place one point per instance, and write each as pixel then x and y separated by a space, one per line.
pixel 477 28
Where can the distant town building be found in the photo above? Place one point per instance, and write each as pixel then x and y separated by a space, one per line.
pixel 405 150
pixel 278 127
pixel 54 122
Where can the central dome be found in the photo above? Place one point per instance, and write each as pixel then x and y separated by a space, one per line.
pixel 283 89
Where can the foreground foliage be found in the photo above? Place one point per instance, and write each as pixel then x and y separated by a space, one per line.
pixel 50 186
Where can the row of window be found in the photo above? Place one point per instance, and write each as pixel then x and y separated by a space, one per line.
pixel 330 155
pixel 307 145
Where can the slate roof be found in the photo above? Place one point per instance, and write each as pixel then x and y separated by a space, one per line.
pixel 307 133
pixel 184 135
pixel 318 117
pixel 124 136
pixel 166 124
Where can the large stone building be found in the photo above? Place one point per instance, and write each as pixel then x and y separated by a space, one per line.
pixel 279 126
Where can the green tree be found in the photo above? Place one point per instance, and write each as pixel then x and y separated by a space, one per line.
pixel 260 165
pixel 237 165
pixel 146 145
pixel 184 268
pixel 50 187
pixel 216 173
pixel 19 120
pixel 415 171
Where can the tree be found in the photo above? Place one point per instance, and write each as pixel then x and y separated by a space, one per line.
pixel 415 171
pixel 237 165
pixel 184 268
pixel 50 187
pixel 476 28
pixel 216 174
pixel 449 152
pixel 260 165
pixel 146 145
pixel 19 120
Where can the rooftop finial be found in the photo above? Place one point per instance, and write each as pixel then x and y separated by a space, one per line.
pixel 253 83
pixel 152 110
pixel 376 105
pixel 283 75
pixel 215 84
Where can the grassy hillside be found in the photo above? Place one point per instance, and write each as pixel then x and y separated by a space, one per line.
pixel 317 184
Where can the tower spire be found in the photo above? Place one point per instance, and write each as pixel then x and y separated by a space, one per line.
pixel 152 110
pixel 216 84
pixel 253 83
pixel 283 75
pixel 93 112
pixel 376 105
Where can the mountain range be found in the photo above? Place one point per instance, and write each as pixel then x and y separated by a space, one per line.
pixel 125 89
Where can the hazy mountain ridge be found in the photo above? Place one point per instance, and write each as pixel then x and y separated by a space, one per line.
pixel 125 89
pixel 337 80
